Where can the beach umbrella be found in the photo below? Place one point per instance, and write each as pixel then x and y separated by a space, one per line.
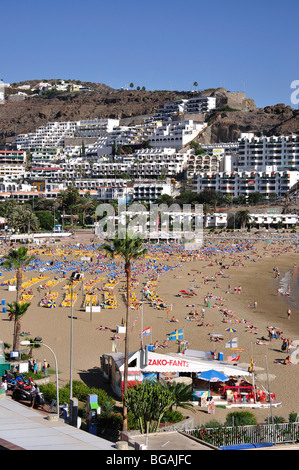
pixel 51 304
pixel 212 375
pixel 230 330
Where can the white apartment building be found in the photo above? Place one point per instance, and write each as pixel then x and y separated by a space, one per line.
pixel 122 194
pixel 270 220
pixel 12 186
pixel 175 134
pixel 53 134
pixel 273 153
pixel 96 127
pixel 12 156
pixel 52 173
pixel 150 191
pixel 242 183
pixel 62 85
pixel 8 170
pixel 120 136
pixel 203 162
pixel 147 163
pixel 200 104
pixel 195 105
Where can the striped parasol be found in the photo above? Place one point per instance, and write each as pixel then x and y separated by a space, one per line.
pixel 51 303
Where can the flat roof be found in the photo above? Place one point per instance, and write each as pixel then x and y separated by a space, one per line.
pixel 168 441
pixel 24 428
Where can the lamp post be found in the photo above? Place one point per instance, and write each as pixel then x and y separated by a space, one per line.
pixel 26 343
pixel 71 338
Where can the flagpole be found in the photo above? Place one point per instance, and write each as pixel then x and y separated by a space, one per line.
pixel 142 319
pixel 269 389
pixel 253 380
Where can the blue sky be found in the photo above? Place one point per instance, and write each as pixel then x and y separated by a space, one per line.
pixel 166 44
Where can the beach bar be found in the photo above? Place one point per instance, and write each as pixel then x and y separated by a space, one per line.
pixel 144 364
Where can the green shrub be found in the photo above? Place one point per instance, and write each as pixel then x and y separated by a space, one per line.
pixel 240 418
pixel 110 421
pixel 172 416
pixel 133 423
pixel 293 417
pixel 212 424
pixel 49 391
pixel 80 391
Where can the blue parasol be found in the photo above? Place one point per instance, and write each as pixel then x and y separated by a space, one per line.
pixel 212 376
pixel 51 304
pixel 231 330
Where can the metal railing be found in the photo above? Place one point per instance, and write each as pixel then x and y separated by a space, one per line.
pixel 234 435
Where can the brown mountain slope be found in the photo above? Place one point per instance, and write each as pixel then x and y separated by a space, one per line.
pixel 226 126
pixel 235 113
pixel 18 117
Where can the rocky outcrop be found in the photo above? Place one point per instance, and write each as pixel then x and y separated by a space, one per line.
pixel 226 126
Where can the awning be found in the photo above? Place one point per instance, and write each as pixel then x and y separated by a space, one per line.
pixel 178 363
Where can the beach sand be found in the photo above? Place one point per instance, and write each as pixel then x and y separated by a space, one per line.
pixel 253 272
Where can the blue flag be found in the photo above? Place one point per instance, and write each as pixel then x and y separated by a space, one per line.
pixel 177 334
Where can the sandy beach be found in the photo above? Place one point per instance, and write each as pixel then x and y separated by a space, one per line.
pixel 215 276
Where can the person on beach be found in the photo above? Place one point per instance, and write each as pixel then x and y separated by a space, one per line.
pixel 45 368
pixel 287 361
pixel 173 319
pixel 289 344
pixel 284 344
pixel 289 313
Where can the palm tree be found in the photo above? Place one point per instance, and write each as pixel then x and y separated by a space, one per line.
pixel 129 249
pixel 16 311
pixel 243 218
pixel 17 259
pixel 69 199
pixel 23 219
pixel 85 204
pixel 182 394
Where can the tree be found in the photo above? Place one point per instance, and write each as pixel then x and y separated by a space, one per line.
pixel 148 401
pixel 69 199
pixel 17 259
pixel 16 311
pixel 129 249
pixel 255 198
pixel 23 219
pixel 86 203
pixel 195 84
pixel 243 218
pixel 46 219
pixel 165 199
pixel 182 394
pixel 131 85
pixel 228 199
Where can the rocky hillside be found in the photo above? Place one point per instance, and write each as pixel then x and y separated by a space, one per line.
pixel 226 126
pixel 235 112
